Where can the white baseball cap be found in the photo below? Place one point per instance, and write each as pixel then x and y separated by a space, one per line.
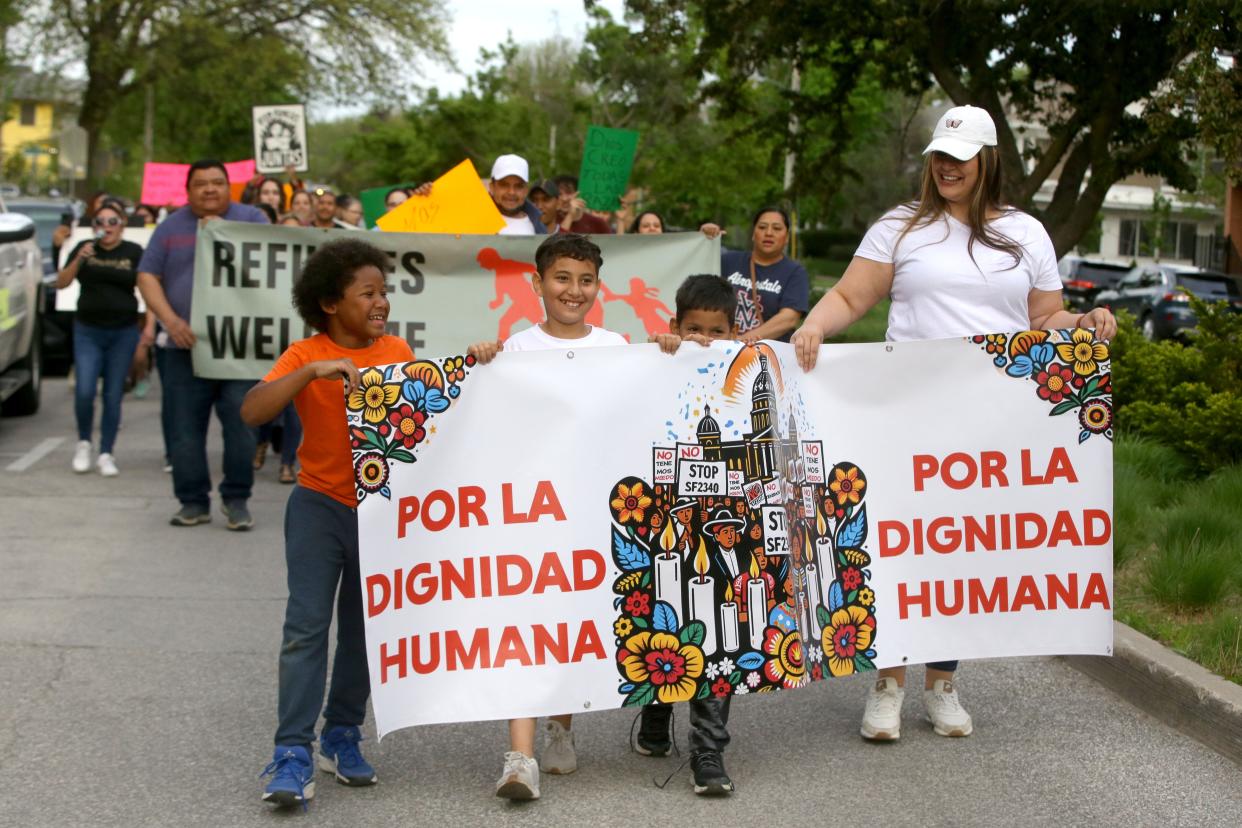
pixel 961 131
pixel 507 165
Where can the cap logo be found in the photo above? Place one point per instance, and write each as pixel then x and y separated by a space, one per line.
pixel 952 123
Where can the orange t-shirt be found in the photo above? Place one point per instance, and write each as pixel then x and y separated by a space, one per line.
pixel 327 463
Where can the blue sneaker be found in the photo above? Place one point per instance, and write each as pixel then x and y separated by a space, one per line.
pixel 293 777
pixel 339 754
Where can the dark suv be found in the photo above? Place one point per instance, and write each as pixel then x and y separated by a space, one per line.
pixel 1156 295
pixel 1083 279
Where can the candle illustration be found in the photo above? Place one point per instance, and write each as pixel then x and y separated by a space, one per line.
pixel 823 549
pixel 813 585
pixel 728 621
pixel 756 605
pixel 703 599
pixel 668 571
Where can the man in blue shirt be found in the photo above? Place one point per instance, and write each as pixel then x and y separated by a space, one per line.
pixel 166 279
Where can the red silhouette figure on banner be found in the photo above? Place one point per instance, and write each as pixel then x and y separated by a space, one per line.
pixel 513 281
pixel 646 304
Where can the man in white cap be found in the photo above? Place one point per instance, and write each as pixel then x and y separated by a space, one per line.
pixel 509 187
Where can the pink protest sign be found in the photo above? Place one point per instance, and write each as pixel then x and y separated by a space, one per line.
pixel 164 184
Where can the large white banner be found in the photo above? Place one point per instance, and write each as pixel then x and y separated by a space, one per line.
pixel 564 531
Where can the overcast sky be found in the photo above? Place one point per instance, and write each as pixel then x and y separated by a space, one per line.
pixel 477 24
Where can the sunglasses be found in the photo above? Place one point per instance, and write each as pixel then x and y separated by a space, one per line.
pixel 108 222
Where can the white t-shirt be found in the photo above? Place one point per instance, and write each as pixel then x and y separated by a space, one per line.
pixel 939 292
pixel 535 339
pixel 517 226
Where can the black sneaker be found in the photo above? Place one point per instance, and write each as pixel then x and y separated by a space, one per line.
pixel 653 731
pixel 239 519
pixel 710 778
pixel 191 514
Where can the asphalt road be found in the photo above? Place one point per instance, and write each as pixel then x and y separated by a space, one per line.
pixel 138 679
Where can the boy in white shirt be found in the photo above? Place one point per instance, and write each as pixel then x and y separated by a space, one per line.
pixel 567 280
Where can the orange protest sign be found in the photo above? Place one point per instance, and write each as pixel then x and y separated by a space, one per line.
pixel 458 203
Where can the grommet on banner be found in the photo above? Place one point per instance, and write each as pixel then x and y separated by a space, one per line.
pixel 586 705
pixel 888 348
pixel 569 355
pixel 904 659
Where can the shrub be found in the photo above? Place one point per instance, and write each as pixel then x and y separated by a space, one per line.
pixel 1188 397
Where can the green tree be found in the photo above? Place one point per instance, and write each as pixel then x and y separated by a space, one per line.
pixel 352 46
pixel 1112 84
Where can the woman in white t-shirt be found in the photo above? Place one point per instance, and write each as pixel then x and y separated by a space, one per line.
pixel 956 262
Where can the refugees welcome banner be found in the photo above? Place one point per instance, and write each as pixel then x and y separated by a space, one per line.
pixel 447 291
pixel 563 531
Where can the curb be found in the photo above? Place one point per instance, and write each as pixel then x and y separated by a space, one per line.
pixel 1171 687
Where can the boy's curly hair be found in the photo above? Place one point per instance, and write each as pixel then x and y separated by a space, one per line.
pixel 567 246
pixel 327 273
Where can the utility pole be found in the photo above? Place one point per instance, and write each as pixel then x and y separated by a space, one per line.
pixel 148 123
pixel 791 159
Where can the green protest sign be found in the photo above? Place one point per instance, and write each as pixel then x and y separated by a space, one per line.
pixel 606 163
pixel 373 202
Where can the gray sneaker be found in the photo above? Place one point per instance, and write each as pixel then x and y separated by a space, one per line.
pixel 237 515
pixel 191 514
pixel 559 755
pixel 520 778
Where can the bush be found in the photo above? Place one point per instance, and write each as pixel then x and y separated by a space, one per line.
pixel 1188 397
pixel 830 244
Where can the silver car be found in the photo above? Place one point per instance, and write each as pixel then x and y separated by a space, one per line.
pixel 21 298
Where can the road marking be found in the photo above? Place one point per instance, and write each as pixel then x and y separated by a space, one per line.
pixel 36 454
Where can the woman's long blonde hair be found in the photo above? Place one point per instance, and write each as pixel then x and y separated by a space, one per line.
pixel 985 199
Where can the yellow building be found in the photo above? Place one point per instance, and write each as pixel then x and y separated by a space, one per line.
pixel 35 105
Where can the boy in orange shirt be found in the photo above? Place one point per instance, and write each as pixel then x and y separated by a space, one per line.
pixel 342 294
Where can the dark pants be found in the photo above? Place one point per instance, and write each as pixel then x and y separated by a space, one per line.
pixel 709 720
pixel 165 407
pixel 946 666
pixel 321 551
pixel 291 437
pixel 190 400
pixel 97 352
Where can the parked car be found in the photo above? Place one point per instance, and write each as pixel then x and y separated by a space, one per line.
pixel 57 327
pixel 21 301
pixel 1157 296
pixel 1083 279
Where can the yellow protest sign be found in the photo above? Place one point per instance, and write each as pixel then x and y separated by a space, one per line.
pixel 458 203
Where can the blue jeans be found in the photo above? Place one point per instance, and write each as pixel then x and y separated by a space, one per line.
pixel 105 352
pixel 189 400
pixel 321 551
pixel 291 426
pixel 165 406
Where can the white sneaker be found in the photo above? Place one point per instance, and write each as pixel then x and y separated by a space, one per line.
pixel 945 711
pixel 82 457
pixel 882 719
pixel 520 778
pixel 107 465
pixel 559 755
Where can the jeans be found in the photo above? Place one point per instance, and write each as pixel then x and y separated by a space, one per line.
pixel 165 405
pixel 321 550
pixel 709 720
pixel 946 666
pixel 291 437
pixel 105 352
pixel 190 400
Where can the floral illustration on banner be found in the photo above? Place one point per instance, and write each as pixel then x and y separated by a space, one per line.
pixel 389 415
pixel 739 560
pixel 1070 370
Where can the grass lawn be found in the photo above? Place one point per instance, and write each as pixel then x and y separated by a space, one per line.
pixel 1177 553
